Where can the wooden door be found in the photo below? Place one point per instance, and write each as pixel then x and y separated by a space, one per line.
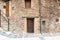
pixel 30 25
pixel 7 9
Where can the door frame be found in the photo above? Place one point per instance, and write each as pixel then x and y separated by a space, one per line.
pixel 31 19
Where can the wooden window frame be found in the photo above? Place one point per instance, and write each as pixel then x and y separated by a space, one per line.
pixel 27 3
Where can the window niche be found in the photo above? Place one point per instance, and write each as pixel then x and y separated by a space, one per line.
pixel 57 20
pixel 27 3
pixel 43 22
pixel 4 7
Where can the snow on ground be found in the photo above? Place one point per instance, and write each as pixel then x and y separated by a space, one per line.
pixel 53 38
pixel 6 38
pixel 25 36
pixel 40 38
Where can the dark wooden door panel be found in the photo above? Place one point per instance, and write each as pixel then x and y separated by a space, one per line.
pixel 30 25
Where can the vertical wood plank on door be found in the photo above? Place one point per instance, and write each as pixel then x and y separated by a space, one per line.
pixel 7 9
pixel 30 25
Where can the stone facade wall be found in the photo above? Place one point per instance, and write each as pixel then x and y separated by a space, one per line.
pixel 18 15
pixel 49 11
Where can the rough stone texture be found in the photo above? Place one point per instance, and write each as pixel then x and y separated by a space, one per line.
pixel 19 13
pixel 49 11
